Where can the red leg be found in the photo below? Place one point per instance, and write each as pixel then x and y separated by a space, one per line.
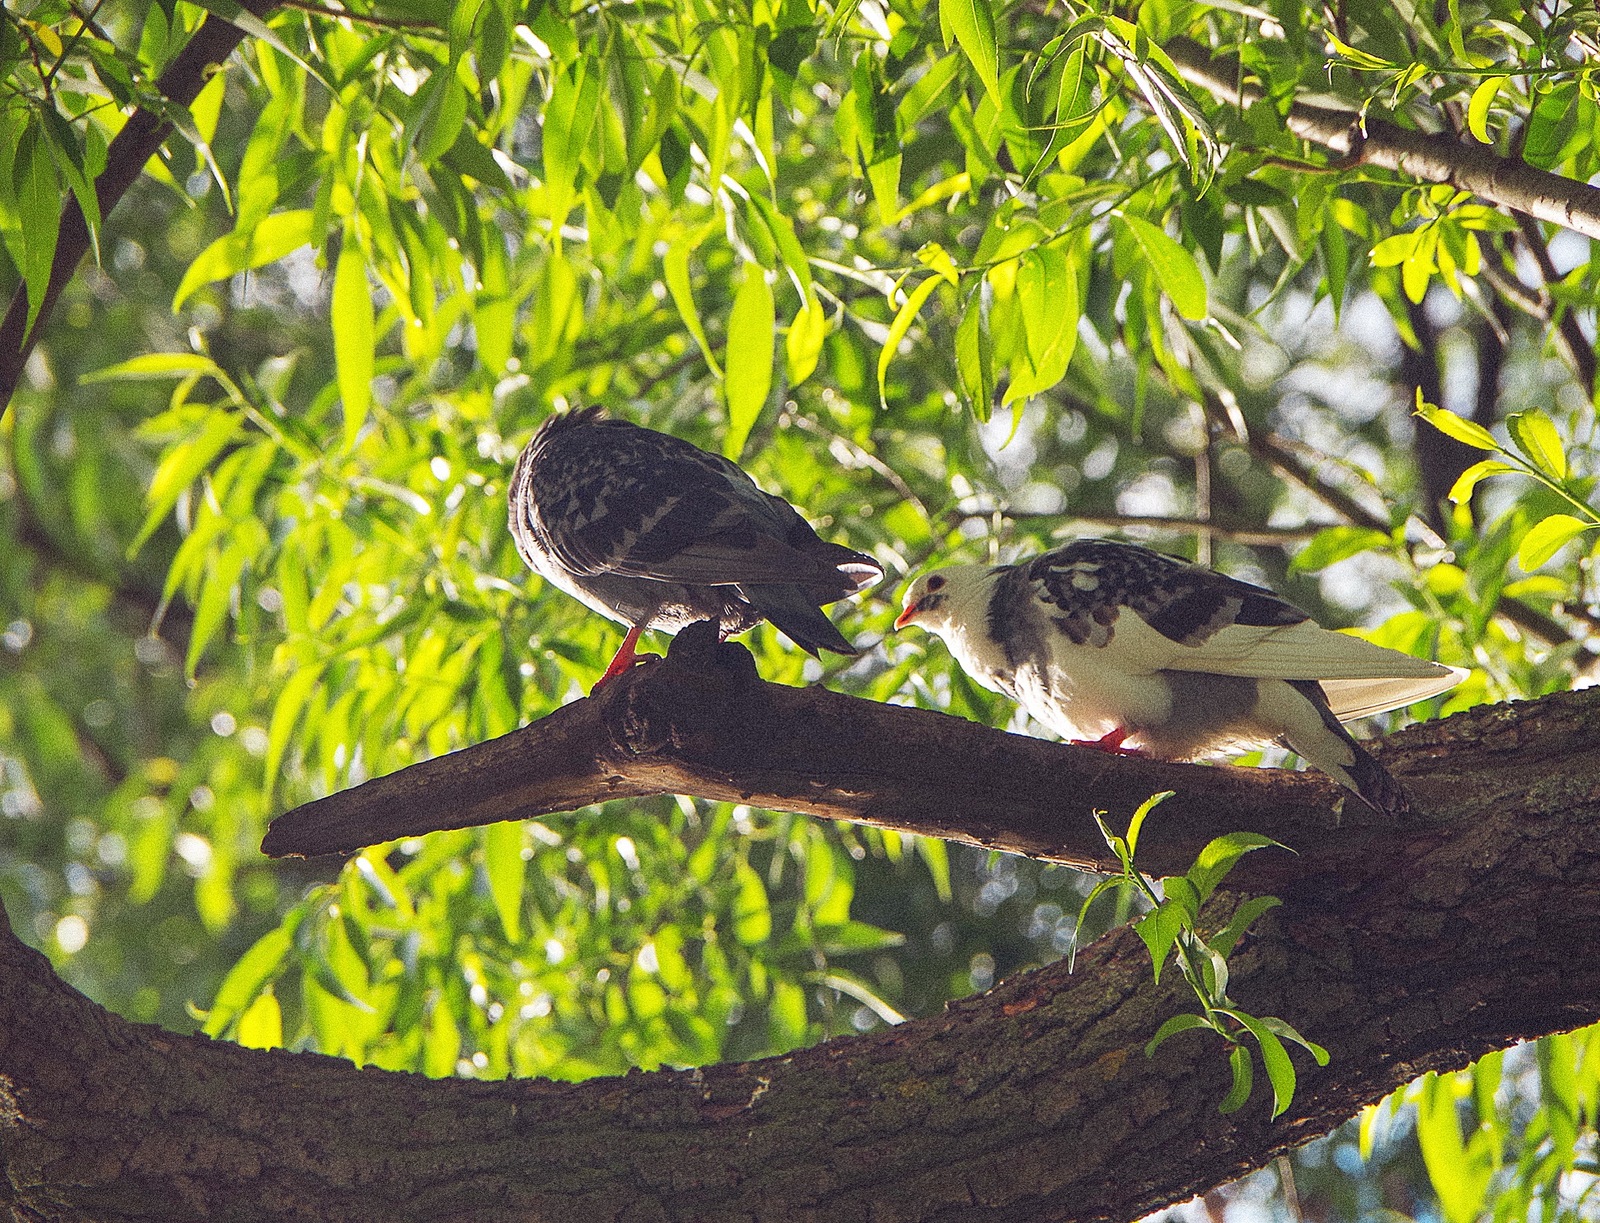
pixel 1110 742
pixel 624 657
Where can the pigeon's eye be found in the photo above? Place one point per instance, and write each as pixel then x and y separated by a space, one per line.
pixel 936 582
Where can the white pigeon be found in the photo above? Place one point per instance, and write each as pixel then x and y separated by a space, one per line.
pixel 656 533
pixel 1109 643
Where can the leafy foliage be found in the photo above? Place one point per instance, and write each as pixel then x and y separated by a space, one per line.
pixel 1173 923
pixel 275 414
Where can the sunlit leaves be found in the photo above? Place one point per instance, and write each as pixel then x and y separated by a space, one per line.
pixel 38 200
pixel 751 328
pixel 568 119
pixel 1548 537
pixel 1460 1171
pixel 272 239
pixel 354 335
pixel 1535 435
pixel 972 24
pixel 1174 267
pixel 1047 291
pixel 904 317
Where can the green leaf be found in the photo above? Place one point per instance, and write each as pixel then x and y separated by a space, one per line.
pixel 1159 929
pixel 752 326
pixel 1535 435
pixel 1478 108
pixel 1243 1080
pixel 292 698
pixel 38 196
pixel 1547 538
pixel 1178 1023
pixel 180 466
pixel 974 352
pixel 884 177
pixel 752 915
pixel 265 243
pixel 1460 1179
pixel 1047 291
pixel 354 331
pixel 1175 268
pixel 972 23
pixel 247 978
pixel 507 872
pixel 675 271
pixel 802 347
pixel 1114 883
pixel 261 1026
pixel 569 117
pixel 1226 939
pixel 1136 824
pixel 1280 1070
pixel 1394 250
pixel 789 248
pixel 903 319
pixel 156 365
pixel 1336 544
pixel 1461 490
pixel 1211 867
pixel 217 594
pixel 1451 425
pixel 1181 893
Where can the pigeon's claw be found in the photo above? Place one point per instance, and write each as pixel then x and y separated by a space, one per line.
pixel 624 659
pixel 1111 741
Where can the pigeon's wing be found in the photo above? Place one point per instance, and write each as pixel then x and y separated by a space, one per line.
pixel 1189 618
pixel 1360 698
pixel 630 501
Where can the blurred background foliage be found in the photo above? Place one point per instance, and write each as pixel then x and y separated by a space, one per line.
pixel 959 279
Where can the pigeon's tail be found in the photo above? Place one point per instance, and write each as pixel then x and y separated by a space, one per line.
pixel 794 610
pixel 1373 785
pixel 1338 755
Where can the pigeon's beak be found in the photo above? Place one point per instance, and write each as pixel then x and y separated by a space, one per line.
pixel 907 616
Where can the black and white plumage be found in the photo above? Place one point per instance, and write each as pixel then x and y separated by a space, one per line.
pixel 1109 642
pixel 656 534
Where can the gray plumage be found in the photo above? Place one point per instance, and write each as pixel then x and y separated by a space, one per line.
pixel 656 533
pixel 1106 641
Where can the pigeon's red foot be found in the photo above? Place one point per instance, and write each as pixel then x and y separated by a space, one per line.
pixel 1110 742
pixel 624 660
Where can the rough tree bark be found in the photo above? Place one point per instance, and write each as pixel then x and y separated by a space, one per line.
pixel 1401 948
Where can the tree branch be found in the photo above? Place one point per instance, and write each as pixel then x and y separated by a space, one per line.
pixel 1434 159
pixel 1402 948
pixel 138 141
pixel 702 722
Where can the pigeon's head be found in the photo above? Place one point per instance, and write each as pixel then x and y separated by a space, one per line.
pixel 939 599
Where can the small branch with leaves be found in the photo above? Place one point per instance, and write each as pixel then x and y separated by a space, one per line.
pixel 1173 922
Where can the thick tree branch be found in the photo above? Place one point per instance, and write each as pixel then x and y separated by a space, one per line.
pixel 701 722
pixel 138 141
pixel 1402 948
pixel 1432 159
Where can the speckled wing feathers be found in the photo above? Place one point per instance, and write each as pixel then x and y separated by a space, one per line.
pixel 1218 624
pixel 654 531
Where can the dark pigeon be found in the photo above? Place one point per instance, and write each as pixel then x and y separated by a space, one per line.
pixel 657 534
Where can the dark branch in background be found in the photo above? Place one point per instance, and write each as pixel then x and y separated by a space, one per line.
pixel 1286 458
pixel 1431 159
pixel 1568 336
pixel 1440 458
pixel 138 141
pixel 1403 947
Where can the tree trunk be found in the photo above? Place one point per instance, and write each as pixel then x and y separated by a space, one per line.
pixel 1401 949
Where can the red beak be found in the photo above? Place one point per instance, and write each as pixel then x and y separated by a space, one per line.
pixel 907 616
